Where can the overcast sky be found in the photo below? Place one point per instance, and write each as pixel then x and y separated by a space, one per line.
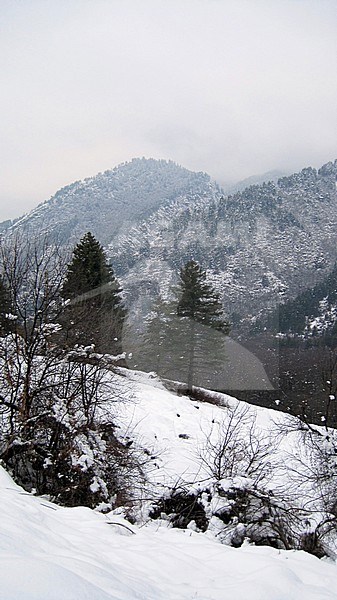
pixel 230 87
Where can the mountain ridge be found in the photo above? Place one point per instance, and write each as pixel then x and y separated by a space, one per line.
pixel 259 246
pixel 112 199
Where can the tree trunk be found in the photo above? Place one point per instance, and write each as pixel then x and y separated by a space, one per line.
pixel 190 374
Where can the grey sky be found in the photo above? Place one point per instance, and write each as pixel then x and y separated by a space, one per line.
pixel 231 87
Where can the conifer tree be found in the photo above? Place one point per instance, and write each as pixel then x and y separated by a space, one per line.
pixel 198 303
pixel 88 269
pixel 95 313
pixel 156 348
pixel 185 340
pixel 198 300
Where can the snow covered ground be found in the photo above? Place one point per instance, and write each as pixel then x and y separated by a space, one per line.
pixel 52 553
pixel 175 428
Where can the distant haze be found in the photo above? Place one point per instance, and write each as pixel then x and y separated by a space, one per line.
pixel 231 87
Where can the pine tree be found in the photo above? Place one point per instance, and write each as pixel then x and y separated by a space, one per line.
pixel 185 340
pixel 95 313
pixel 198 300
pixel 88 269
pixel 199 303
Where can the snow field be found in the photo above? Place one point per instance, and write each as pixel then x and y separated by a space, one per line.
pixel 50 553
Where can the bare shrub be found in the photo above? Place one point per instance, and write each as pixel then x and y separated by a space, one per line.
pixel 56 407
pixel 233 448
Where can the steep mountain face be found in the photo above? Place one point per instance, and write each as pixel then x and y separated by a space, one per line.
pixel 112 201
pixel 313 312
pixel 260 246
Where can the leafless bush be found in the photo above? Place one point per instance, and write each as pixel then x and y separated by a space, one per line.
pixel 232 447
pixel 311 476
pixel 56 410
pixel 241 499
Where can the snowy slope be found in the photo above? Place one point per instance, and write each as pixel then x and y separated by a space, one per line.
pixel 75 554
pixel 175 429
pixel 50 552
pixel 112 201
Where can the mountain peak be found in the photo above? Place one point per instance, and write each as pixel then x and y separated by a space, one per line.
pixel 112 201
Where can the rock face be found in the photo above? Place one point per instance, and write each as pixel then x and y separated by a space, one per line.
pixel 259 246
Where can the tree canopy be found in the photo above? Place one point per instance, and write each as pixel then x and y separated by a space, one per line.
pixel 199 300
pixel 185 339
pixel 96 313
pixel 88 268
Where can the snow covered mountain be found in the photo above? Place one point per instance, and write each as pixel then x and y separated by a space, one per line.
pixel 113 201
pixel 260 246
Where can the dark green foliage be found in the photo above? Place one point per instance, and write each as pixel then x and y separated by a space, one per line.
pixel 56 427
pixel 199 301
pixel 185 340
pixel 168 342
pixel 293 314
pixel 96 313
pixel 88 269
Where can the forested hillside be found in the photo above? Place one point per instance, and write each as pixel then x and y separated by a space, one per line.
pixel 260 246
pixel 313 312
pixel 112 201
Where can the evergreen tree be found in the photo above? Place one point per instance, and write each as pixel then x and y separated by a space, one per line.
pixel 95 313
pixel 198 300
pixel 199 303
pixel 185 340
pixel 88 269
